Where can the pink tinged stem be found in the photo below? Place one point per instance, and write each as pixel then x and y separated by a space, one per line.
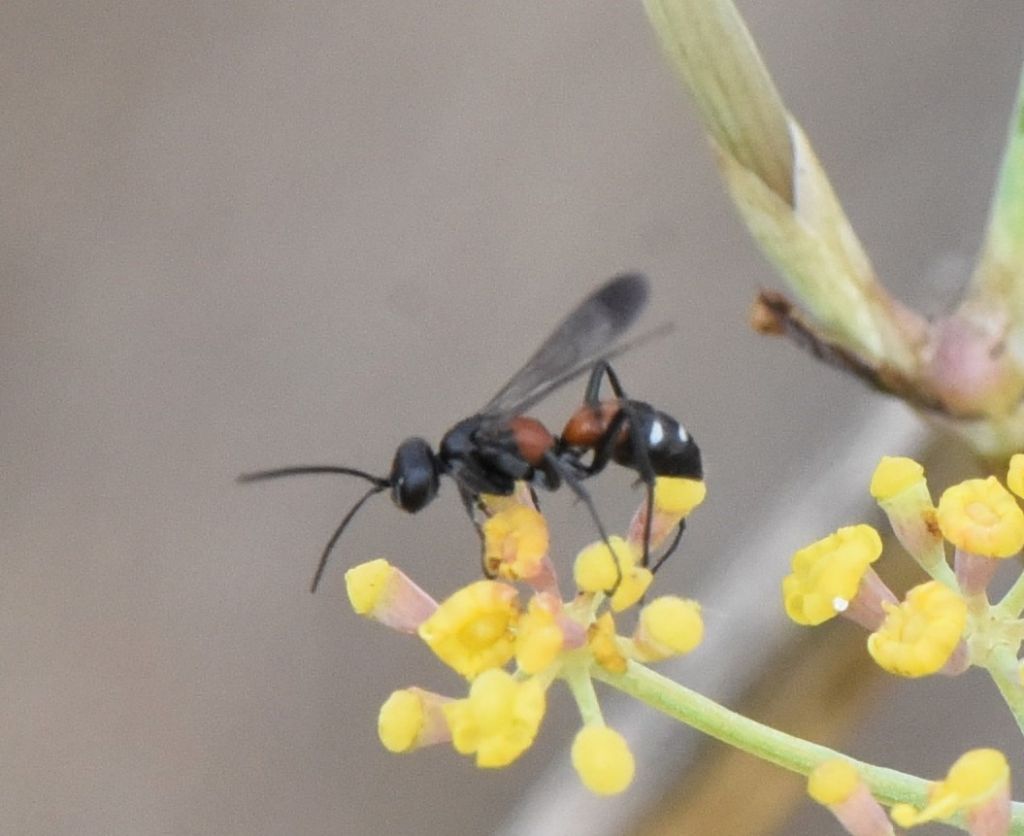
pixel 435 727
pixel 574 634
pixel 991 818
pixel 919 539
pixel 524 496
pixel 404 606
pixel 866 607
pixel 662 525
pixel 959 661
pixel 974 572
pixel 545 579
pixel 862 815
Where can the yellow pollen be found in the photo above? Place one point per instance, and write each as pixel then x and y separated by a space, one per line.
pixel 499 720
pixel 918 636
pixel 366 583
pixel 894 475
pixel 473 630
pixel 832 782
pixel 602 759
pixel 982 517
pixel 539 640
pixel 604 644
pixel 595 571
pixel 400 721
pixel 677 496
pixel 978 777
pixel 515 542
pixel 827 574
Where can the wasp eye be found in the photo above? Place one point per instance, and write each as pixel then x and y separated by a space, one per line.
pixel 414 477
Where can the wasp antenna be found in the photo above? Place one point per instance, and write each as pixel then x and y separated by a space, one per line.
pixel 306 470
pixel 376 489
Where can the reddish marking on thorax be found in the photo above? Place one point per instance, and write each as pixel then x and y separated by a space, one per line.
pixel 589 423
pixel 532 438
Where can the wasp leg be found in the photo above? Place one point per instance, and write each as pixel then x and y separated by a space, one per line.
pixel 569 478
pixel 471 503
pixel 552 470
pixel 668 552
pixel 641 460
pixel 592 394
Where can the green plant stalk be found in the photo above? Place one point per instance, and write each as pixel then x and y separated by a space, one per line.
pixel 777 183
pixel 712 50
pixel 581 685
pixel 889 786
pixel 1012 603
pixel 1002 667
pixel 1000 272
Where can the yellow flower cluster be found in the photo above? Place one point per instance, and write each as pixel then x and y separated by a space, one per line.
pixel 980 516
pixel 918 637
pixel 613 565
pixel 977 785
pixel 515 543
pixel 485 626
pixel 827 574
pixel 933 628
pixel 499 719
pixel 836 784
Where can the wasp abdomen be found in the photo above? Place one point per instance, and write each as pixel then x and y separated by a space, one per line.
pixel 589 423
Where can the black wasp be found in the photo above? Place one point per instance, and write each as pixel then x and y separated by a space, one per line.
pixel 491 450
pixel 633 434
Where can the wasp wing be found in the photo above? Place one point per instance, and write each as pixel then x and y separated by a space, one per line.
pixel 583 337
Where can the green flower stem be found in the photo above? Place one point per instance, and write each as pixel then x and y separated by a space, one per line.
pixel 1002 666
pixel 887 785
pixel 1012 603
pixel 940 571
pixel 577 677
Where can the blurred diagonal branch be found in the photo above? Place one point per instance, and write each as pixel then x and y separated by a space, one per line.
pixel 964 371
pixel 999 270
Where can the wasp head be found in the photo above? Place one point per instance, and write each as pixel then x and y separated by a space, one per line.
pixel 415 475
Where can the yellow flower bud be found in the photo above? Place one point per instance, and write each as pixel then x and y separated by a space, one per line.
pixel 668 626
pixel 836 785
pixel 980 516
pixel 827 574
pixel 499 720
pixel 539 639
pixel 595 568
pixel 473 630
pixel 515 542
pixel 604 644
pixel 832 782
pixel 634 583
pixel 412 718
pixel 677 496
pixel 602 759
pixel 978 780
pixel 919 636
pixel 378 590
pixel 893 476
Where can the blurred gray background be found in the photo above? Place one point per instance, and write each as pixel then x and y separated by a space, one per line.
pixel 239 235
